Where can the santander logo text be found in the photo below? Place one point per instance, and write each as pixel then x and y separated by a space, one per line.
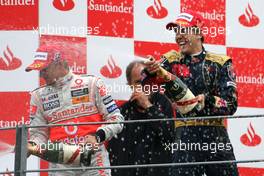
pixel 17 2
pixel 111 70
pixel 63 5
pixel 157 10
pixel 250 138
pixel 9 61
pixel 249 19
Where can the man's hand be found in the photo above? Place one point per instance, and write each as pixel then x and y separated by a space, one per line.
pixel 152 65
pixel 142 99
pixel 201 100
pixel 32 149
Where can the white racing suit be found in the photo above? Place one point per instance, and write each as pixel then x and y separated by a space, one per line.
pixel 75 99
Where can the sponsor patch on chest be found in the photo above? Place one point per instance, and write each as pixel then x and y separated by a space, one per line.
pixel 51 105
pixel 81 99
pixel 79 92
pixel 49 97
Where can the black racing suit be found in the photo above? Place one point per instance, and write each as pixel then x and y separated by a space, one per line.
pixel 204 140
pixel 144 143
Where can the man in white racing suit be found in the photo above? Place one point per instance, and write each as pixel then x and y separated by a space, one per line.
pixel 68 98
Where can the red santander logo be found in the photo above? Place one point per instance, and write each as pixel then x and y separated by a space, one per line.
pixel 63 5
pixel 111 69
pixel 157 10
pixel 9 61
pixel 250 138
pixel 249 19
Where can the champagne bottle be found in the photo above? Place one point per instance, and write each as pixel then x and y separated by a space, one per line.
pixel 176 90
pixel 63 153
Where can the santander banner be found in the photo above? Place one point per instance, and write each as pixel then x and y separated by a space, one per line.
pixel 248 65
pixel 143 49
pixel 114 18
pixel 18 14
pixel 214 14
pixel 16 113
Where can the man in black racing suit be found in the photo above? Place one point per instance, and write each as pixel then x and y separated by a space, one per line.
pixel 211 80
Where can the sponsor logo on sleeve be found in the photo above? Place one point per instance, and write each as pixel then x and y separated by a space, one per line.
pixel 231 83
pixel 102 91
pixel 101 88
pixel 231 72
pixel 79 92
pixel 51 105
pixel 107 100
pixel 219 102
pixel 112 108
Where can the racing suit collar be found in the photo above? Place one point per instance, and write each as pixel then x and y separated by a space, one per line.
pixel 199 54
pixel 64 80
pixel 194 58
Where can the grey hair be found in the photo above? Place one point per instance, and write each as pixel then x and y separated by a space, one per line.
pixel 129 69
